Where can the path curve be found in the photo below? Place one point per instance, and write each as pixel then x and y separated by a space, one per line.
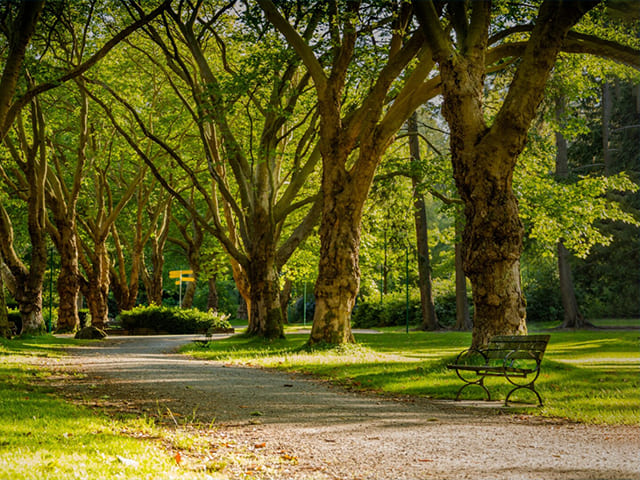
pixel 344 435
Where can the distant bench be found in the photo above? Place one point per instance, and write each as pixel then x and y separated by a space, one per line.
pixel 516 357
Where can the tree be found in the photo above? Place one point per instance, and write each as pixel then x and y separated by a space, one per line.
pixel 355 130
pixel 257 140
pixel 429 318
pixel 573 318
pixel 100 214
pixel 484 156
pixel 63 189
pixel 29 177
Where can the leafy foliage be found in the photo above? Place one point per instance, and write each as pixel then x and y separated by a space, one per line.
pixel 172 320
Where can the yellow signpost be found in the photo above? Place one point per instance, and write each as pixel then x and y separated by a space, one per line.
pixel 182 276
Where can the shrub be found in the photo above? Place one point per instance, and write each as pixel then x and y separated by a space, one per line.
pixel 392 311
pixel 171 319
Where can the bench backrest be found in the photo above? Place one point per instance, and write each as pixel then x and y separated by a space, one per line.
pixel 522 346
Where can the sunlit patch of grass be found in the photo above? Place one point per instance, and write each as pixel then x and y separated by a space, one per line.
pixel 43 436
pixel 587 376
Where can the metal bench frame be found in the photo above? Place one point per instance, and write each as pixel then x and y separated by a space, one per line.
pixel 508 349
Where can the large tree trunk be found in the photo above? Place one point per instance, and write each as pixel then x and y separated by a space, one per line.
pixel 493 232
pixel 492 245
pixel 68 281
pixel 265 318
pixel 96 287
pixel 20 32
pixel 339 270
pixel 429 317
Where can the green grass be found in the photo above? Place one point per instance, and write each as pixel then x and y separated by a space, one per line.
pixel 587 376
pixel 44 436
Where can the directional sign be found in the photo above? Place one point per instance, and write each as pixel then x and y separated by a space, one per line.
pixel 179 273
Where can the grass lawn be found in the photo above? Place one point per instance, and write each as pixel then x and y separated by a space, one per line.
pixel 587 376
pixel 43 436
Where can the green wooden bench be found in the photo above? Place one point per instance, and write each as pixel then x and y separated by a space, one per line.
pixel 515 357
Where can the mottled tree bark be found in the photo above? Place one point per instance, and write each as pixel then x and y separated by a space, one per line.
pixel 68 285
pixel 96 286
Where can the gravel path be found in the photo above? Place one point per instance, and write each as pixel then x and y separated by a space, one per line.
pixel 335 434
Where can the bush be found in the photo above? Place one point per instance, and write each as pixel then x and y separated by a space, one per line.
pixel 544 304
pixel 392 311
pixel 297 311
pixel 171 320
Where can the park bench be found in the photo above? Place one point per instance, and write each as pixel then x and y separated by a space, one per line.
pixel 515 357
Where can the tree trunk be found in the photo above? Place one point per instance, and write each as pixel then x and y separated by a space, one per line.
pixel 243 310
pixel 20 35
pixel 29 299
pixel 572 317
pixel 429 317
pixel 212 298
pixel 607 107
pixel 285 297
pixel 265 318
pixel 339 270
pixel 463 319
pixel 492 245
pixel 493 233
pixel 5 329
pixel 153 281
pixel 68 282
pixel 96 288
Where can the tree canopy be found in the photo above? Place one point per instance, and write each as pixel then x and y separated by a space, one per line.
pixel 307 142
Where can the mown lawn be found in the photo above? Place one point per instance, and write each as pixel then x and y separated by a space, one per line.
pixel 45 437
pixel 587 376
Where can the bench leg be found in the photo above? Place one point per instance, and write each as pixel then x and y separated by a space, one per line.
pixel 528 387
pixel 479 383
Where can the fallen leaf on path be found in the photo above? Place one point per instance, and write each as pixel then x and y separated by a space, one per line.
pixel 127 461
